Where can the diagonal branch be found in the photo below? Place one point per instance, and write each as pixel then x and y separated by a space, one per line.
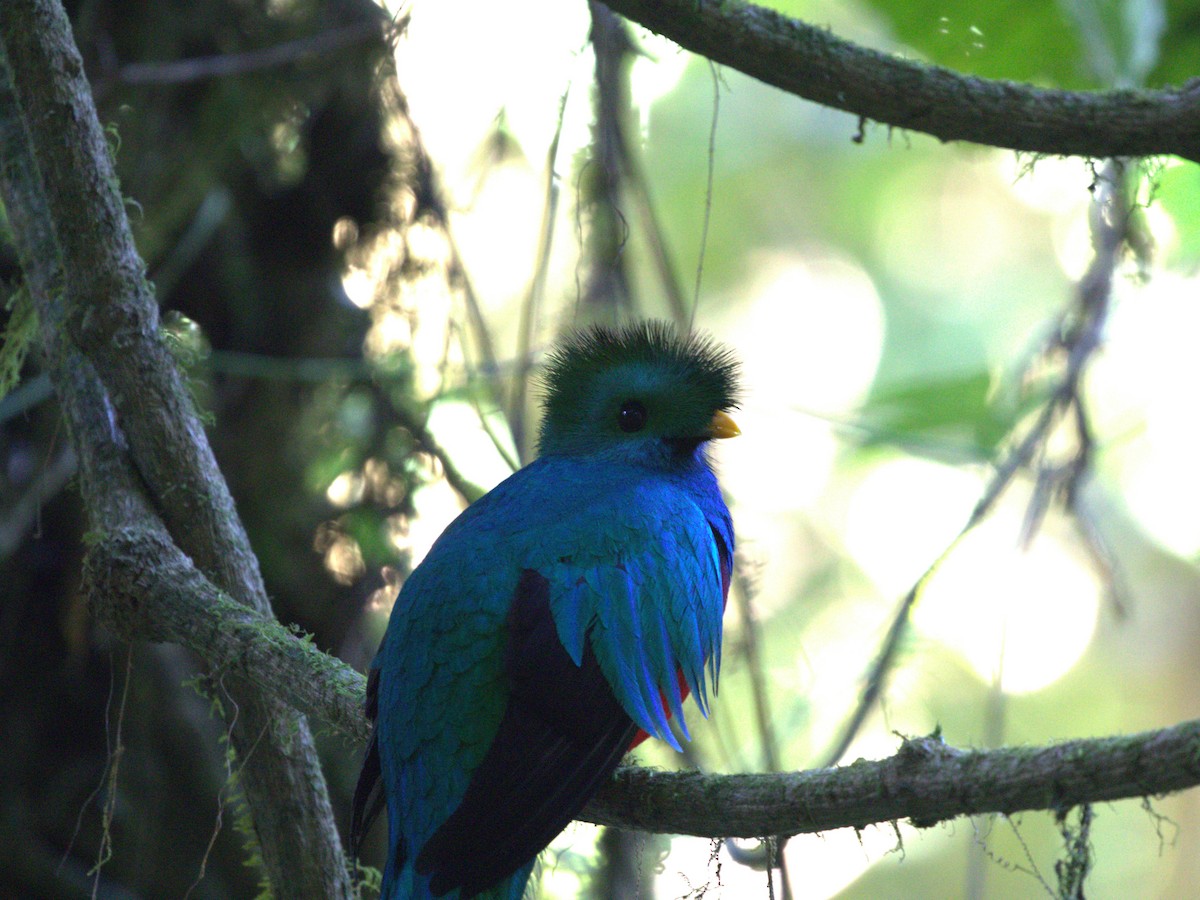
pixel 186 71
pixel 814 64
pixel 142 450
pixel 142 587
pixel 1076 338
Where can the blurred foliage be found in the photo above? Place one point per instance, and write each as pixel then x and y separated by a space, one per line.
pixel 236 184
pixel 1074 44
pixel 886 296
pixel 987 39
pixel 1177 189
pixel 1177 62
pixel 959 412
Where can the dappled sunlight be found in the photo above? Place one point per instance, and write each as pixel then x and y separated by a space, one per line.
pixel 457 424
pixel 819 865
pixel 783 466
pixel 391 332
pixel 373 481
pixel 810 332
pixel 693 865
pixel 498 233
pixel 903 514
pixel 827 863
pixel 358 286
pixel 1161 487
pixel 1143 388
pixel 838 646
pixel 1056 185
pixel 346 489
pixel 526 88
pixel 655 73
pixel 809 339
pixel 1025 615
pixel 564 867
pixel 1029 612
pixel 929 205
pixel 381 600
pixel 437 505
pixel 808 336
pixel 342 556
pixel 526 85
pixel 1073 245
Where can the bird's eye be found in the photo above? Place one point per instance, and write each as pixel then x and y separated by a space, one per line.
pixel 632 416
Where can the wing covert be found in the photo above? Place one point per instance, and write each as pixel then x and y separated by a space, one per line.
pixel 647 595
pixel 562 735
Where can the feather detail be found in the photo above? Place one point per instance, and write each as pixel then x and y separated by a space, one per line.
pixel 654 611
pixel 562 735
pixel 577 602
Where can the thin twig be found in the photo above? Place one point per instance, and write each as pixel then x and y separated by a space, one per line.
pixel 464 487
pixel 431 205
pixel 116 751
pixel 23 515
pixel 708 189
pixel 537 289
pixel 1079 336
pixel 769 852
pixel 204 68
pixel 609 293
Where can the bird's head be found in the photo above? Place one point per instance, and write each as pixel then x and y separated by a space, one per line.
pixel 639 394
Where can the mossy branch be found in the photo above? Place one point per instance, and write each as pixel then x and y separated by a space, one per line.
pixel 143 455
pixel 926 782
pixel 812 63
pixel 143 587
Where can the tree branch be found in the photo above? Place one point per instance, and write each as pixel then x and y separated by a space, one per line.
pixel 926 782
pixel 186 71
pixel 814 64
pixel 128 409
pixel 151 590
pixel 133 427
pixel 142 587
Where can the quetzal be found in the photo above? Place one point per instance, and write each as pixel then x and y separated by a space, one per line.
pixel 557 621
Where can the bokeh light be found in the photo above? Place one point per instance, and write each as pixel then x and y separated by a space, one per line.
pixel 1021 617
pixel 954 265
pixel 902 514
pixel 1143 388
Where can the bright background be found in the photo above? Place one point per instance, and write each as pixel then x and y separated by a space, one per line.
pixel 886 298
pixel 362 358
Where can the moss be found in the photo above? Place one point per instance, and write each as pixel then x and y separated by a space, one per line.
pixel 18 338
pixel 368 879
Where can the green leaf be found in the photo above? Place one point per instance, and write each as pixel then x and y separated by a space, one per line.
pixel 1039 43
pixel 1180 46
pixel 1177 190
pixel 1072 44
pixel 18 338
pixel 957 416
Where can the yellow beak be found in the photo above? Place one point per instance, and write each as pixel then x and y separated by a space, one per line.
pixel 722 426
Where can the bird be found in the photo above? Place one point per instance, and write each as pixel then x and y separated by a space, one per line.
pixel 556 622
